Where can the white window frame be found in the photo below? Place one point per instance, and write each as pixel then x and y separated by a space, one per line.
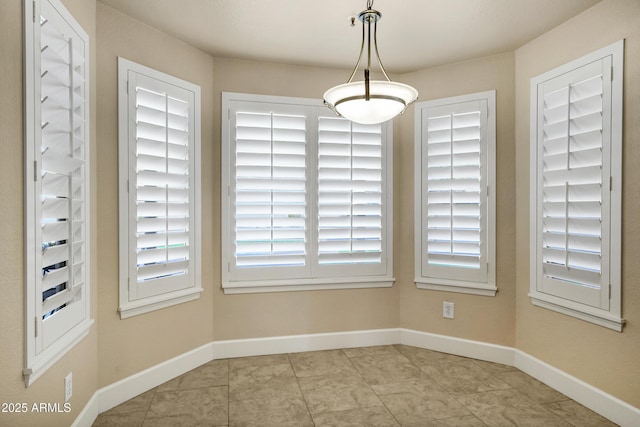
pixel 456 278
pixel 139 298
pixel 316 278
pixel 608 314
pixel 46 344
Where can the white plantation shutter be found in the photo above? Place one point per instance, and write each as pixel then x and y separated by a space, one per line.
pixel 308 201
pixel 573 183
pixel 58 188
pixel 159 149
pixel 455 145
pixel 350 194
pixel 576 181
pixel 269 191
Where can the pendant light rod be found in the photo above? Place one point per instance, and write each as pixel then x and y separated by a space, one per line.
pixel 367 17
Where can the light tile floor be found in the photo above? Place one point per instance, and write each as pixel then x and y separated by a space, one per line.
pixel 371 386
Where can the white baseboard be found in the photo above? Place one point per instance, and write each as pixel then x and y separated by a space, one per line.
pixel 603 403
pixel 89 413
pixel 127 388
pixel 593 398
pixel 458 346
pixel 300 343
pixel 597 400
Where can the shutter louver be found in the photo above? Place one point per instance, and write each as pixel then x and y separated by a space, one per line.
pixel 572 191
pixel 454 170
pixel 61 188
pixel 270 190
pixel 349 192
pixel 163 135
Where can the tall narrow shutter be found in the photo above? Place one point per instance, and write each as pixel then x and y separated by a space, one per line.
pixel 349 192
pixel 162 185
pixel 454 200
pixel 61 188
pixel 270 189
pixel 573 187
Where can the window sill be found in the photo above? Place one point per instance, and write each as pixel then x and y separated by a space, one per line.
pixel 39 365
pixel 455 286
pixel 135 308
pixel 579 311
pixel 306 285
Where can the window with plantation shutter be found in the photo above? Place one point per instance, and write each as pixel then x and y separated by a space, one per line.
pixel 575 178
pixel 455 194
pixel 270 192
pixel 350 195
pixel 159 189
pixel 308 197
pixel 57 184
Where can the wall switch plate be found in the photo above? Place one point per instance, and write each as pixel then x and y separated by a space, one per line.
pixel 68 387
pixel 447 310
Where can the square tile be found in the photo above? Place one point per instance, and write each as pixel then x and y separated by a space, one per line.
pixel 131 419
pixel 263 382
pixel 463 377
pixel 386 369
pixel 269 412
pixel 137 404
pixel 578 415
pixel 321 363
pixel 373 417
pixel 212 374
pixel 468 421
pixel 418 401
pixel 421 356
pixel 245 362
pixel 509 408
pixel 528 385
pixel 379 350
pixel 494 367
pixel 202 406
pixel 337 393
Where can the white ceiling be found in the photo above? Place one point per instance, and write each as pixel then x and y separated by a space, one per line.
pixel 412 35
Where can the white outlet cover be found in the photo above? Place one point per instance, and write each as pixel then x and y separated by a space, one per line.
pixel 68 387
pixel 448 310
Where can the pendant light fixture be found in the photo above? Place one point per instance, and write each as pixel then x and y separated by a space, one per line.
pixel 369 101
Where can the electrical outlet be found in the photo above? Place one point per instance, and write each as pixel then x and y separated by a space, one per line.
pixel 68 387
pixel 447 310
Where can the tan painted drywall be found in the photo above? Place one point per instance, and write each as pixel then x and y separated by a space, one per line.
pixel 131 345
pixel 82 359
pixel 601 357
pixel 488 319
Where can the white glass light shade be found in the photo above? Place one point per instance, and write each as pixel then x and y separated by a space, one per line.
pixel 387 100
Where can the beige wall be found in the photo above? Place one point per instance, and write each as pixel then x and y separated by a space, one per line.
pixel 596 355
pixel 488 319
pixel 131 345
pixel 82 359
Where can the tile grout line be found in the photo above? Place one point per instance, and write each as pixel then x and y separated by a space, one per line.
pixel 370 388
pixel 304 399
pixel 146 413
